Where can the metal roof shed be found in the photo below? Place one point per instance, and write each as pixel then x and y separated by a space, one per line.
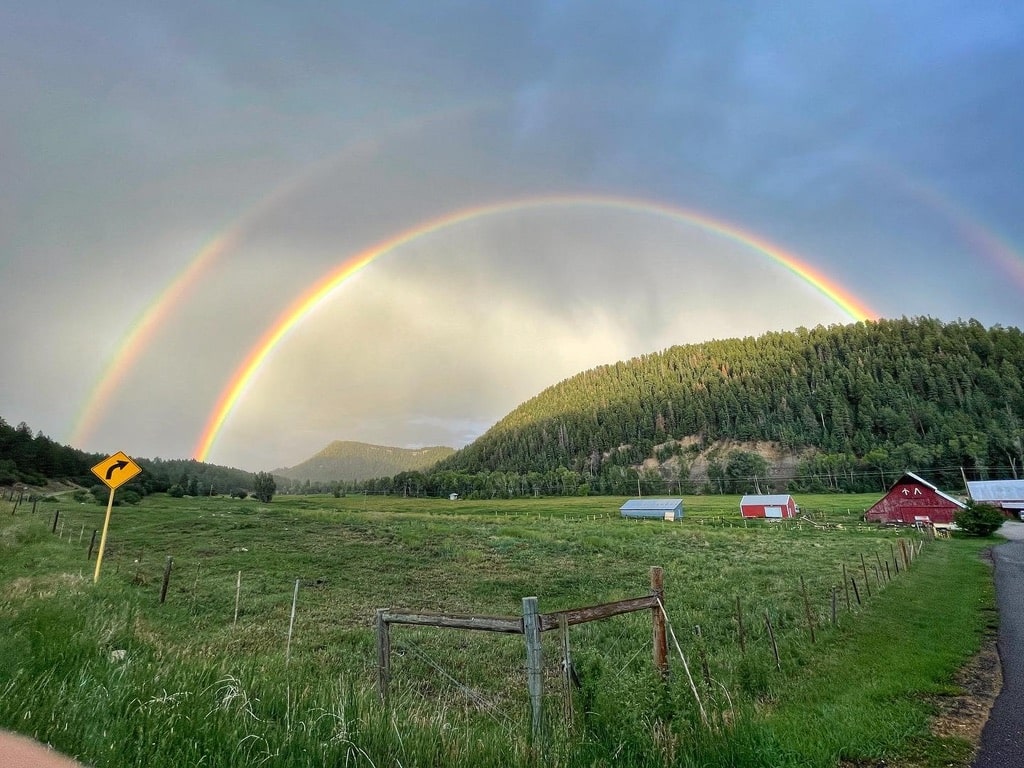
pixel 1008 494
pixel 661 509
pixel 773 505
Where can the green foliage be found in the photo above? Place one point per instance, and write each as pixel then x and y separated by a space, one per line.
pixel 176 491
pixel 8 472
pixel 128 496
pixel 743 471
pixel 264 486
pixel 32 459
pixel 873 399
pixel 980 519
pixel 195 687
pixel 101 495
pixel 862 402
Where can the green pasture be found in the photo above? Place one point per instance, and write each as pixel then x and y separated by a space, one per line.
pixel 109 673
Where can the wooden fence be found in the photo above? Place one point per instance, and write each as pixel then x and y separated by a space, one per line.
pixel 531 624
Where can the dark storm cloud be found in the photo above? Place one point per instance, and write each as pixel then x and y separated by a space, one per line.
pixel 875 141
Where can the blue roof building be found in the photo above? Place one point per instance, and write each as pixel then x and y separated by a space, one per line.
pixel 659 509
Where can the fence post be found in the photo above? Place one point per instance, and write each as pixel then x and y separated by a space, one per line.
pixel 864 567
pixel 534 665
pixel 383 654
pixel 92 544
pixel 807 609
pixel 739 624
pixel 291 624
pixel 846 589
pixel 567 670
pixel 771 635
pixel 660 637
pixel 703 655
pixel 56 516
pixel 167 580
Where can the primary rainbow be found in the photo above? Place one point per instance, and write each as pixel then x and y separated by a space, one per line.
pixel 318 293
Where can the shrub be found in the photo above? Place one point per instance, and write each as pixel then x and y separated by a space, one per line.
pixel 129 497
pixel 980 519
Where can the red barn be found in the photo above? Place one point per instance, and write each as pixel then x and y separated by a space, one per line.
pixel 770 506
pixel 912 500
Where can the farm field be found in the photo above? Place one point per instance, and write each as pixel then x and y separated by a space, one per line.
pixel 111 674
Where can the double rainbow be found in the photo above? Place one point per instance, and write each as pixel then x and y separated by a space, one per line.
pixel 326 286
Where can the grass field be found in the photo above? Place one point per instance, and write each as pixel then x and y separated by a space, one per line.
pixel 194 686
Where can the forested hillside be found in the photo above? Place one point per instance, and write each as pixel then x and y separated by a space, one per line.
pixel 869 398
pixel 35 460
pixel 345 460
pixel 841 408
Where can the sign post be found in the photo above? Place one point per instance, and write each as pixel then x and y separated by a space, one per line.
pixel 114 471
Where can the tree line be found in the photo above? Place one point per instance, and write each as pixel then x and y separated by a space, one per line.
pixel 862 403
pixel 870 400
pixel 34 459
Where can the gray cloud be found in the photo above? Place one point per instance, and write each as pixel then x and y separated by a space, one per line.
pixel 875 142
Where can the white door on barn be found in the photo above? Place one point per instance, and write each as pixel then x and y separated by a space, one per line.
pixel 773 511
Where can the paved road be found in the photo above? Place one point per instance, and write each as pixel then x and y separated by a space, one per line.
pixel 1002 740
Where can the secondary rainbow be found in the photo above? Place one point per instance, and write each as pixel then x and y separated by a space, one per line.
pixel 142 332
pixel 324 288
pixel 983 239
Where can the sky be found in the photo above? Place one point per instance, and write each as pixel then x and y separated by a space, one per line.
pixel 240 231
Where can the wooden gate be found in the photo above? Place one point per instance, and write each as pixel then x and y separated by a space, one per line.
pixel 531 624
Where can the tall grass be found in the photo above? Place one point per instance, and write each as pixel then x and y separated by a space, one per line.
pixel 191 688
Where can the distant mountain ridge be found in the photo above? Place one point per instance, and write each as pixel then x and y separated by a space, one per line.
pixel 350 461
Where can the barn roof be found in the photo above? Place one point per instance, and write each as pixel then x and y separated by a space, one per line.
pixel 767 498
pixel 996 490
pixel 915 479
pixel 662 504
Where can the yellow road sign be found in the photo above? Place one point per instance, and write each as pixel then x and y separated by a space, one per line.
pixel 116 470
